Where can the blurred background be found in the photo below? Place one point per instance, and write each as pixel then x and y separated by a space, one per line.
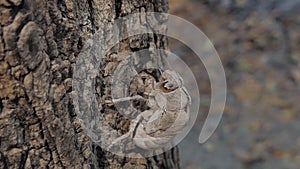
pixel 259 44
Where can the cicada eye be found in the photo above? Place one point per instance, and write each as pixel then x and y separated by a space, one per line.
pixel 169 86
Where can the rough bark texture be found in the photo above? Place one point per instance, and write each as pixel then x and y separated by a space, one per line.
pixel 39 43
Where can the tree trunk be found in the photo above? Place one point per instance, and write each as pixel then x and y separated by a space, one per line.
pixel 39 43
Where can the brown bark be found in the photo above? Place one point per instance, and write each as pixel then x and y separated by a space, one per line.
pixel 39 43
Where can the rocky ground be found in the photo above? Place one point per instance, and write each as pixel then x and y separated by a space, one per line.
pixel 259 45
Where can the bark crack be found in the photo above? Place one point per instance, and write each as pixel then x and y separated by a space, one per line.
pixel 91 15
pixel 118 8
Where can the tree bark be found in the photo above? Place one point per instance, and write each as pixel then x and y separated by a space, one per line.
pixel 39 43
